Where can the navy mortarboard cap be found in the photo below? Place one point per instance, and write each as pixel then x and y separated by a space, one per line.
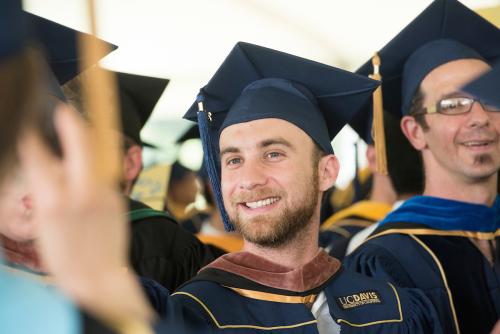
pixel 13 30
pixel 252 74
pixel 138 97
pixel 486 88
pixel 256 83
pixel 60 45
pixel 445 31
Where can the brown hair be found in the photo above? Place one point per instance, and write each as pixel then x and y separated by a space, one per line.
pixel 417 104
pixel 18 98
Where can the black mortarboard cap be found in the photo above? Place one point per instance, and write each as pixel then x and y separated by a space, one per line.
pixel 191 133
pixel 256 83
pixel 138 97
pixel 487 87
pixel 13 29
pixel 445 31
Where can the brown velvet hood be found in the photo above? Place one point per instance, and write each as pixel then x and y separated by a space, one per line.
pixel 258 269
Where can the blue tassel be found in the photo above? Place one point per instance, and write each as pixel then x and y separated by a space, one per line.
pixel 211 162
pixel 356 181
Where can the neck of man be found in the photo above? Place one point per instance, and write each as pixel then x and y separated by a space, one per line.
pixel 441 183
pixel 126 187
pixel 294 253
pixel 21 253
pixel 382 190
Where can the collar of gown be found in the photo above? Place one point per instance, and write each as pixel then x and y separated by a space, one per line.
pixel 258 269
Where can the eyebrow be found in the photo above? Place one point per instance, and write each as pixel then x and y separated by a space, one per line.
pixel 453 94
pixel 262 144
pixel 230 149
pixel 276 141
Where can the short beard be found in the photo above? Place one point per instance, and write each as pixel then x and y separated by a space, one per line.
pixel 289 223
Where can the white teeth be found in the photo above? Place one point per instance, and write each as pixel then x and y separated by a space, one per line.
pixel 476 143
pixel 261 203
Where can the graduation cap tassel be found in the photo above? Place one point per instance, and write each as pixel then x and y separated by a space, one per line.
pixel 211 164
pixel 356 182
pixel 101 100
pixel 378 119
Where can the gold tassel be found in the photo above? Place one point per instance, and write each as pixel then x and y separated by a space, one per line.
pixel 378 119
pixel 100 95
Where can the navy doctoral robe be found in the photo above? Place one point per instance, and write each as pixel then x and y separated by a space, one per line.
pixel 426 244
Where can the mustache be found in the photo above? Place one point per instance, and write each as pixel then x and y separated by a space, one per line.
pixel 255 195
pixel 479 134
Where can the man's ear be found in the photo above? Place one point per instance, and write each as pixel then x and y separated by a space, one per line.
pixel 371 158
pixel 328 171
pixel 132 163
pixel 414 132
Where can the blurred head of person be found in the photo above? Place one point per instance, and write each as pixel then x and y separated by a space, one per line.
pixel 183 185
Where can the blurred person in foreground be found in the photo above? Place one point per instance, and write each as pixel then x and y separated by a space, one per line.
pixel 67 233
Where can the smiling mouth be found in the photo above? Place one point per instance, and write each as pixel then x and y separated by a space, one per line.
pixel 261 203
pixel 477 143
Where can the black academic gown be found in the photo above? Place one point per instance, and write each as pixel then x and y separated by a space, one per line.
pixel 463 286
pixel 161 250
pixel 222 301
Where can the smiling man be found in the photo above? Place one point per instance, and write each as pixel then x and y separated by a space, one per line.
pixel 446 241
pixel 269 121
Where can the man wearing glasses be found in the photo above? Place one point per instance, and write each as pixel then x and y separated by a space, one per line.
pixel 446 241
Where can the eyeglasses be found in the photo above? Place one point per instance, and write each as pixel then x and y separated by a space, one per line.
pixel 456 106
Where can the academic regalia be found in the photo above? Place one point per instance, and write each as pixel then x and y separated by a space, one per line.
pixel 161 250
pixel 406 178
pixel 193 220
pixel 225 241
pixel 138 95
pixel 338 230
pixel 336 199
pixel 425 244
pixel 244 293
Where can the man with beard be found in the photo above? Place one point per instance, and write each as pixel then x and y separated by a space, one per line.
pixel 446 241
pixel 486 89
pixel 271 117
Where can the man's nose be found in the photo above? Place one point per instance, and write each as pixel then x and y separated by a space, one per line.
pixel 252 175
pixel 478 116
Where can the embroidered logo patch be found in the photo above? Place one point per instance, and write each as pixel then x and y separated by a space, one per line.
pixel 359 299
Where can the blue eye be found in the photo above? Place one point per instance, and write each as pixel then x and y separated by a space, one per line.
pixel 274 155
pixel 233 161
